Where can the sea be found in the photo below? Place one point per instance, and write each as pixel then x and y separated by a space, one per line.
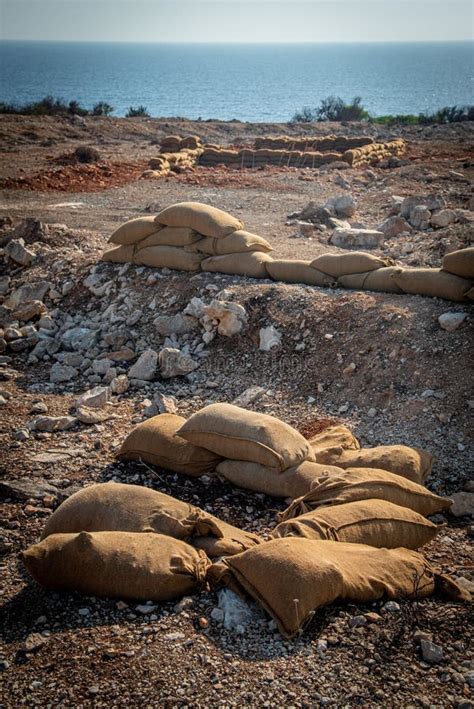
pixel 248 82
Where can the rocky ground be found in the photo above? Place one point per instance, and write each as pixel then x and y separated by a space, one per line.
pixel 380 363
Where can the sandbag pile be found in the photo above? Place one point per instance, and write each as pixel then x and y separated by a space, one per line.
pixel 337 143
pixel 174 143
pixel 374 152
pixel 190 236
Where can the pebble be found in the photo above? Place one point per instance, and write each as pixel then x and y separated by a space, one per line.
pixel 430 652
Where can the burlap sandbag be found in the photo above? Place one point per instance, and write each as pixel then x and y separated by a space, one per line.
pixel 412 463
pixel 115 507
pixel 377 523
pixel 134 231
pixel 236 243
pixel 292 577
pixel 289 271
pixel 204 219
pixel 432 282
pixel 118 565
pixel 168 257
pixel 332 436
pixel 171 236
pixel 247 264
pixel 380 280
pixel 364 484
pixel 293 482
pixel 155 441
pixel 119 254
pixel 461 263
pixel 240 434
pixel 342 264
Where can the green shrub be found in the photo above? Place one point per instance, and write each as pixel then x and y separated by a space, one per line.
pixel 305 115
pixel 102 109
pixel 138 112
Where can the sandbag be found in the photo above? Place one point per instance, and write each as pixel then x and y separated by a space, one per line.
pixel 412 463
pixel 119 254
pixel 110 507
pixel 168 257
pixel 342 264
pixel 134 230
pixel 203 218
pixel 171 236
pixel 235 243
pixel 117 565
pixel 332 436
pixel 461 263
pixel 432 282
pixel 293 577
pixel 364 484
pixel 293 482
pixel 245 264
pixel 240 434
pixel 380 280
pixel 297 272
pixel 155 441
pixel 377 523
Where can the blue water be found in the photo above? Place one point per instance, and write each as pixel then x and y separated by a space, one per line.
pixel 247 82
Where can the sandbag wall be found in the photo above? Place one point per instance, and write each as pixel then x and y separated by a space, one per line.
pixel 190 236
pixel 128 541
pixel 335 143
pixel 175 153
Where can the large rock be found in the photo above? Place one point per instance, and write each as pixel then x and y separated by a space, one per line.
pixel 93 398
pixel 4 284
pixel 420 217
pixel 357 238
pixel 463 504
pixel 175 324
pixel 120 384
pixel 17 252
pixel 145 366
pixel 269 338
pixel 343 205
pixel 26 488
pixel 443 218
pixel 29 310
pixel 174 363
pixel 62 373
pixel 230 318
pixel 393 226
pixel 451 321
pixel 90 416
pixel 50 424
pixel 430 201
pixel 28 291
pixel 79 339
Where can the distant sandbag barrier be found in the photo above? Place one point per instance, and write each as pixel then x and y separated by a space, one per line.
pixel 190 236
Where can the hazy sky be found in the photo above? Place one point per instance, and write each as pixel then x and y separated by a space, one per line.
pixel 237 20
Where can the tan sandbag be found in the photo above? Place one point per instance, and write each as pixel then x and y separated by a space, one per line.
pixel 412 463
pixel 289 271
pixel 203 218
pixel 134 231
pixel 117 565
pixel 119 254
pixel 168 257
pixel 116 507
pixel 235 243
pixel 171 236
pixel 293 577
pixel 293 482
pixel 246 264
pixel 338 435
pixel 432 282
pixel 377 523
pixel 461 263
pixel 364 484
pixel 240 434
pixel 155 441
pixel 380 280
pixel 342 264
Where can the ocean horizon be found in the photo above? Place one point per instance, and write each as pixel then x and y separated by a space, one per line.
pixel 248 82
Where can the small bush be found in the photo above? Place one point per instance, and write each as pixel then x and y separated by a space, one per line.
pixel 448 114
pixel 305 115
pixel 86 154
pixel 333 108
pixel 400 119
pixel 138 112
pixel 102 109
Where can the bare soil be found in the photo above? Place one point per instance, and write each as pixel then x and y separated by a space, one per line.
pixel 417 378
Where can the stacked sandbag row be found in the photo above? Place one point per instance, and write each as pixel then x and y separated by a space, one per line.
pixel 168 162
pixel 190 236
pixel 174 143
pixel 369 154
pixel 315 143
pixel 249 158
